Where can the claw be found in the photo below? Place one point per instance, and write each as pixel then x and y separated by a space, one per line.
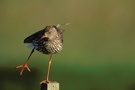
pixel 46 81
pixel 23 67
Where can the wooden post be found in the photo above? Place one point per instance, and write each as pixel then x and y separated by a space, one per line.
pixel 50 86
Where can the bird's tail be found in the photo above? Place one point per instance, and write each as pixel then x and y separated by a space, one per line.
pixel 64 24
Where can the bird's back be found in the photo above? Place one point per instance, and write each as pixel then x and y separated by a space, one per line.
pixel 34 36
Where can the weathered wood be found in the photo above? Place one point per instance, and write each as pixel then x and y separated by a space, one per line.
pixel 50 86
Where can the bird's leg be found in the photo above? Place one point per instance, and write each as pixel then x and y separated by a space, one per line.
pixel 48 71
pixel 23 66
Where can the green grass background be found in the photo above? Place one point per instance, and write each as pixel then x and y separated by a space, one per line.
pixel 99 44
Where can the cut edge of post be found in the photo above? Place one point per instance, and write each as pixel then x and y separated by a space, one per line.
pixel 50 86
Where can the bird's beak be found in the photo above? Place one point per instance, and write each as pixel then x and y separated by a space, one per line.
pixel 44 36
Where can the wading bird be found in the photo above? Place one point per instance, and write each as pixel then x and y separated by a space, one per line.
pixel 48 41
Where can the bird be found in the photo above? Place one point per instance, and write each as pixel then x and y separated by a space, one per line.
pixel 49 41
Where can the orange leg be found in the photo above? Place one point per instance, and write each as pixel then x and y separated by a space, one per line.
pixel 23 66
pixel 48 71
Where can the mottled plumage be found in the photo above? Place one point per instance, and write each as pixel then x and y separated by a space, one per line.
pixel 48 41
pixel 48 45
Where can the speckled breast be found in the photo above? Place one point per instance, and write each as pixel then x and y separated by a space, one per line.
pixel 47 47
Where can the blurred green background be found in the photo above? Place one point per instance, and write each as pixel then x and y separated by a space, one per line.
pixel 99 44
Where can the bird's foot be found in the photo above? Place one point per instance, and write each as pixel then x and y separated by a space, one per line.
pixel 23 66
pixel 46 81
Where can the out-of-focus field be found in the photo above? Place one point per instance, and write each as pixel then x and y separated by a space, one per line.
pixel 99 44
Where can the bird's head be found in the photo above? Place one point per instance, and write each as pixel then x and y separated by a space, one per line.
pixel 51 32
